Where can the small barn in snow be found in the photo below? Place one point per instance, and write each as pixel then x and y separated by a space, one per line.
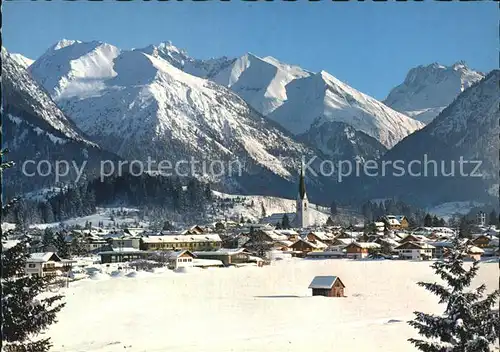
pixel 328 286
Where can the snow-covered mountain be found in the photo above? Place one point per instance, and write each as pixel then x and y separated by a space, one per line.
pixel 259 81
pixel 292 96
pixel 321 98
pixel 467 129
pixel 23 61
pixel 139 105
pixel 180 59
pixel 340 141
pixel 34 128
pixel 427 90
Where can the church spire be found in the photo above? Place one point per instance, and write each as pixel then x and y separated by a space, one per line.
pixel 302 184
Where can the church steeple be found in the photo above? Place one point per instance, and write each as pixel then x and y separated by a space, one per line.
pixel 302 184
pixel 302 212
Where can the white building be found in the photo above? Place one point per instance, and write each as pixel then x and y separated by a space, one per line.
pixel 46 264
pixel 415 250
pixel 180 259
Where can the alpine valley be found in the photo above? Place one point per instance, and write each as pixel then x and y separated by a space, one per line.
pixel 103 102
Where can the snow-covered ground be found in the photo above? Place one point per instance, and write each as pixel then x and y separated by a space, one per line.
pixel 447 210
pixel 250 309
pixel 104 215
pixel 243 207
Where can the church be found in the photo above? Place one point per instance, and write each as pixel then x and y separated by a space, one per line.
pixel 301 217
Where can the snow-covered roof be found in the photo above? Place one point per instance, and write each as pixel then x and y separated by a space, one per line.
pixel 323 282
pixel 366 244
pixel 416 245
pixel 275 236
pixel 474 250
pixel 322 235
pixel 123 251
pixel 222 251
pixel 182 238
pixel 43 257
pixel 287 232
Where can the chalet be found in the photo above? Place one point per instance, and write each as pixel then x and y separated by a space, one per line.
pixel 474 252
pixel 120 255
pixel 303 247
pixel 414 250
pixel 359 250
pixel 321 236
pixel 204 242
pixel 328 286
pixel 46 264
pixel 193 230
pixel 180 259
pixel 391 222
pixel 483 241
pixel 342 242
pixel 403 221
pixel 413 238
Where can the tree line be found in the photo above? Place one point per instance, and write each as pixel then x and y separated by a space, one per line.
pixel 172 194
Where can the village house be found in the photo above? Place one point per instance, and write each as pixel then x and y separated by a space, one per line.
pixel 328 286
pixel 94 244
pixel 180 259
pixel 203 242
pixel 301 247
pixel 193 230
pixel 360 250
pixel 483 241
pixel 324 237
pixel 415 250
pixel 474 252
pixel 47 264
pixel 391 222
pixel 413 238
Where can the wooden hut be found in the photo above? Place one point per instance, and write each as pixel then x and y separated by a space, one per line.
pixel 328 286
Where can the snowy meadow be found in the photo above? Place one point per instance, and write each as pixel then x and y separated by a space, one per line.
pixel 250 308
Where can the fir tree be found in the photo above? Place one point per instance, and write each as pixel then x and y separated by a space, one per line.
pixel 285 222
pixel 329 222
pixel 468 324
pixel 61 245
pixel 428 220
pixel 493 218
pixel 24 315
pixel 333 208
pixel 263 210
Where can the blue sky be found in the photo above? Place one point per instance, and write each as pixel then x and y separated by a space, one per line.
pixel 371 46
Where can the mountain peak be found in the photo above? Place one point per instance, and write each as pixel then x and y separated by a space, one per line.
pixel 428 89
pixel 64 43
